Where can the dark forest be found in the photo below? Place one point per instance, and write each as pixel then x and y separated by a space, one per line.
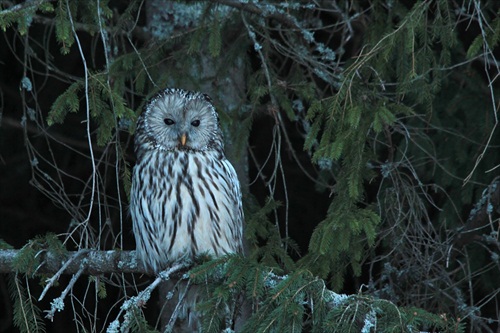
pixel 364 135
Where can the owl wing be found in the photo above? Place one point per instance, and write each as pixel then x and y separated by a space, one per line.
pixel 235 191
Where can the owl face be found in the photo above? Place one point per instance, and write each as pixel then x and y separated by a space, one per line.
pixel 179 119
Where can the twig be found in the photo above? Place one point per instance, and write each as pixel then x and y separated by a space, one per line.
pixel 143 297
pixel 56 276
pixel 87 109
pixel 486 51
pixel 58 303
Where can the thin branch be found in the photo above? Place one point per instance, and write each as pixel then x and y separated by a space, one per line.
pixel 87 109
pixel 56 276
pixel 58 303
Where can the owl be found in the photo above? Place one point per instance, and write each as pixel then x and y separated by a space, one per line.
pixel 185 194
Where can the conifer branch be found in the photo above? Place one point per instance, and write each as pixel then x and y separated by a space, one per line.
pixel 137 32
pixel 96 262
pixel 22 6
pixel 255 9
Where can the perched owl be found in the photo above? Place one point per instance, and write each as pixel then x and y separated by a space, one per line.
pixel 185 195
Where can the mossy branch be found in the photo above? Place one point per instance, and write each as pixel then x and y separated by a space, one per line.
pixel 95 262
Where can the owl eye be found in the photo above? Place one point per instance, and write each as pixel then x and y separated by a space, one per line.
pixel 195 123
pixel 168 121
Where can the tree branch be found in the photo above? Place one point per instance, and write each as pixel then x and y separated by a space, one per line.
pixel 257 10
pixel 481 215
pixel 21 6
pixel 95 262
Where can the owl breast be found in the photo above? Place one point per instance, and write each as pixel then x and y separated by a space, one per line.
pixel 184 204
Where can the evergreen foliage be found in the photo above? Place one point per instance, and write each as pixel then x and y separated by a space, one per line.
pixel 23 17
pixel 396 109
pixel 300 301
pixel 26 316
pixel 28 260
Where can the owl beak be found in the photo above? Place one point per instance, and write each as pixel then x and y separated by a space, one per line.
pixel 183 139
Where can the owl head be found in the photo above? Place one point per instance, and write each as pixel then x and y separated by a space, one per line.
pixel 177 119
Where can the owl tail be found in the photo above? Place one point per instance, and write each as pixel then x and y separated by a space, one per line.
pixel 179 308
pixel 178 302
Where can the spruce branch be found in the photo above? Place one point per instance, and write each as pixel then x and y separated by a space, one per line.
pixel 137 32
pixel 254 8
pixel 96 262
pixel 22 6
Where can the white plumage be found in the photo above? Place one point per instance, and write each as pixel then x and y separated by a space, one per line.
pixel 185 195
